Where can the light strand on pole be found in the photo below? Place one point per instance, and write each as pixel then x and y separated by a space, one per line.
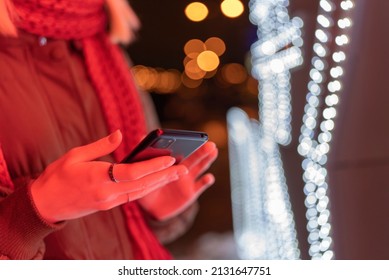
pixel 324 89
pixel 263 221
pixel 273 56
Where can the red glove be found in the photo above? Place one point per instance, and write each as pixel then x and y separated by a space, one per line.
pixel 175 197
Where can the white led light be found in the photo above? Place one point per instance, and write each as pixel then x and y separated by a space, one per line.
pixel 268 48
pixel 319 49
pixel 344 23
pixel 316 75
pixel 341 40
pixel 321 36
pixel 313 101
pixel 323 21
pixel 326 5
pixel 329 113
pixel 346 5
pixel 277 66
pixel 334 86
pixel 261 207
pixel 318 122
pixel 339 56
pixel 318 64
pixel 336 72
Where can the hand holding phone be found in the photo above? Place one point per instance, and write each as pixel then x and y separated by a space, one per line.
pixel 175 197
pixel 167 142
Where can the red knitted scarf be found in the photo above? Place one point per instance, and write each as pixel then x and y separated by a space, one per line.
pixel 86 21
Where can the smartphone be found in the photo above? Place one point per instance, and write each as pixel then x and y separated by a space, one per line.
pixel 167 142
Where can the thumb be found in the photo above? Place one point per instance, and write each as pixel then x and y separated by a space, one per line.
pixel 99 148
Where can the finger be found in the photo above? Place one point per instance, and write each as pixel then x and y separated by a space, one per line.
pixel 150 182
pixel 204 164
pixel 99 148
pixel 200 186
pixel 203 183
pixel 200 154
pixel 134 171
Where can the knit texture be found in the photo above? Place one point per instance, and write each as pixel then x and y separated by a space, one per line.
pixel 86 22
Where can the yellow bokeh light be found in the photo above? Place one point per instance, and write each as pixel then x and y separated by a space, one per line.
pixel 232 8
pixel 196 11
pixel 216 45
pixel 208 61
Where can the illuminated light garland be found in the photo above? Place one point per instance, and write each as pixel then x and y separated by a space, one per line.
pixel 263 220
pixel 318 120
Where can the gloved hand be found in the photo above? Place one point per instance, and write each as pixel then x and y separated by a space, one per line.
pixel 75 185
pixel 175 197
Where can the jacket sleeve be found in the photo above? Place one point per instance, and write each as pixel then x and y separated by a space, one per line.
pixel 22 230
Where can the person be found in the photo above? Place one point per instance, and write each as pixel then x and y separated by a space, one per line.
pixel 68 110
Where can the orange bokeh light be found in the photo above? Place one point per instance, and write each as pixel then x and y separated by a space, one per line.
pixel 193 47
pixel 193 71
pixel 190 83
pixel 234 73
pixel 196 11
pixel 216 45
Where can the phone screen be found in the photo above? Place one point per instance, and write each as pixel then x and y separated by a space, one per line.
pixel 168 142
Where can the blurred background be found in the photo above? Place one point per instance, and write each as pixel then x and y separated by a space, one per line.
pixel 320 66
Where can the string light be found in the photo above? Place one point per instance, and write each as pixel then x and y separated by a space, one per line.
pixel 263 220
pixel 318 121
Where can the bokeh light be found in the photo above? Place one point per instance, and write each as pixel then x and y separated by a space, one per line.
pixel 217 132
pixel 193 71
pixel 318 120
pixel 216 45
pixel 190 83
pixel 208 60
pixel 251 85
pixel 196 11
pixel 169 81
pixel 202 58
pixel 232 8
pixel 234 73
pixel 210 74
pixel 157 80
pixel 193 47
pixel 146 77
